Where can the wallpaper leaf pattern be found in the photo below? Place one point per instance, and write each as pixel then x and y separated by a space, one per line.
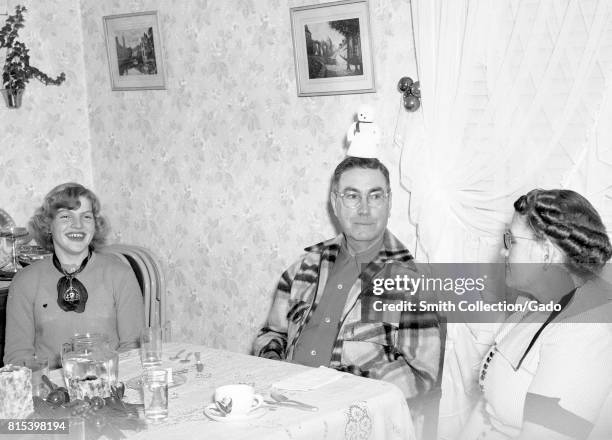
pixel 46 141
pixel 225 174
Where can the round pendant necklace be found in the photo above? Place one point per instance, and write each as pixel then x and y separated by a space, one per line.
pixel 71 293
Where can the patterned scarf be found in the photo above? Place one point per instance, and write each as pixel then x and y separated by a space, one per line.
pixel 71 293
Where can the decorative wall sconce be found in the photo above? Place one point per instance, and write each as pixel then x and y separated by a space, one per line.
pixel 411 91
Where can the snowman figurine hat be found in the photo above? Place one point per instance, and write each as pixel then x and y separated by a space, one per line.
pixel 363 136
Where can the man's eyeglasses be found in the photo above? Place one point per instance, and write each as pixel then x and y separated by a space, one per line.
pixel 509 239
pixel 352 199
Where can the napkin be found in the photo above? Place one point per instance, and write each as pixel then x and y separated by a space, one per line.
pixel 309 380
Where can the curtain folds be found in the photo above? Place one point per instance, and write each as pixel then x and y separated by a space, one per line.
pixel 515 95
pixel 512 91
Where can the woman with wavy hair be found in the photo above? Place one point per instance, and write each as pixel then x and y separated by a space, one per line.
pixel 548 374
pixel 78 290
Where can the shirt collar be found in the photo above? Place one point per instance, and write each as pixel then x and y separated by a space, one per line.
pixel 363 257
pixel 392 248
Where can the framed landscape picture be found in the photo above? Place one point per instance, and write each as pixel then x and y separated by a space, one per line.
pixel 332 48
pixel 134 49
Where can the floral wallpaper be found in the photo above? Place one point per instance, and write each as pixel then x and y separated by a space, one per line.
pixel 225 174
pixel 46 141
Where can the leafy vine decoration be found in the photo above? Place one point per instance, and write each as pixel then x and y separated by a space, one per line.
pixel 17 70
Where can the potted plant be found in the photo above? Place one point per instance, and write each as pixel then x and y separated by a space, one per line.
pixel 17 70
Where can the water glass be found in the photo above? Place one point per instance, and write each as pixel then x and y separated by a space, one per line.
pixel 155 393
pixel 151 347
pixel 39 365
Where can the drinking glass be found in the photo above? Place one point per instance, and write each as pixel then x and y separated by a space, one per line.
pixel 151 347
pixel 39 365
pixel 155 393
pixel 12 234
pixel 91 367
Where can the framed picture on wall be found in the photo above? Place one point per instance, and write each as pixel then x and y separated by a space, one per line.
pixel 332 48
pixel 134 49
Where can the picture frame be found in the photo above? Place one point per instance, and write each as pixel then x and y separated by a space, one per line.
pixel 332 48
pixel 134 49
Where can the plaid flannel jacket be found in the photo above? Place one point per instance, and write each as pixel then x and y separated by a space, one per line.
pixel 404 350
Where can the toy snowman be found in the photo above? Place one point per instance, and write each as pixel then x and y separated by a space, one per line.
pixel 363 136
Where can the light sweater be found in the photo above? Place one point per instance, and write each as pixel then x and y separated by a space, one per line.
pixel 35 324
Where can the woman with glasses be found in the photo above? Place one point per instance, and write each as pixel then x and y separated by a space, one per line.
pixel 548 375
pixel 78 290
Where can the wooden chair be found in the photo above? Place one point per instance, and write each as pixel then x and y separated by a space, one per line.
pixel 150 278
pixel 432 405
pixel 158 287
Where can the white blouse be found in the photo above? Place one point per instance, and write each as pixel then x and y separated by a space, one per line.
pixel 571 361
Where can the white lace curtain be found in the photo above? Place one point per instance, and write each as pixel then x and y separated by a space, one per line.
pixel 515 95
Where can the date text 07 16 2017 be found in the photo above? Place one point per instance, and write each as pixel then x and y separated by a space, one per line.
pixel 34 426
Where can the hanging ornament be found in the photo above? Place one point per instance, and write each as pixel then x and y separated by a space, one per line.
pixel 404 83
pixel 415 89
pixel 411 103
pixel 411 93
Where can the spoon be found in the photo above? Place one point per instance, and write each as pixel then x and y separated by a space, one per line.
pixel 280 398
pixel 184 361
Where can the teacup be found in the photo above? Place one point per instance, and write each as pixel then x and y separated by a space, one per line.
pixel 243 399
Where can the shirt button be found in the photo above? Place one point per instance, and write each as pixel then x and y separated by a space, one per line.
pixel 313 352
pixel 327 319
pixel 339 286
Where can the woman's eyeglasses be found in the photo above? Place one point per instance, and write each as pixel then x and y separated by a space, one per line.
pixel 509 239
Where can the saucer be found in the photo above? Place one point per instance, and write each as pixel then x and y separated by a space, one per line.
pixel 135 383
pixel 213 413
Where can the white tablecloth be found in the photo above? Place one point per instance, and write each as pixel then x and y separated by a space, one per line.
pixel 349 408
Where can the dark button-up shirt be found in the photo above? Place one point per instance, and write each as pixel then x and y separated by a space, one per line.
pixel 314 347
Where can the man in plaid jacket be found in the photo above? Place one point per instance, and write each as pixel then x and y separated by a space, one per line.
pixel 317 316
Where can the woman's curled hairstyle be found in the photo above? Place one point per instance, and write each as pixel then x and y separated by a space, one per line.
pixel 65 196
pixel 572 224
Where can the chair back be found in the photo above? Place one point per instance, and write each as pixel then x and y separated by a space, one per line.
pixel 431 404
pixel 150 278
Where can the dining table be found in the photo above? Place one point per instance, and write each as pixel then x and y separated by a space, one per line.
pixel 349 407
